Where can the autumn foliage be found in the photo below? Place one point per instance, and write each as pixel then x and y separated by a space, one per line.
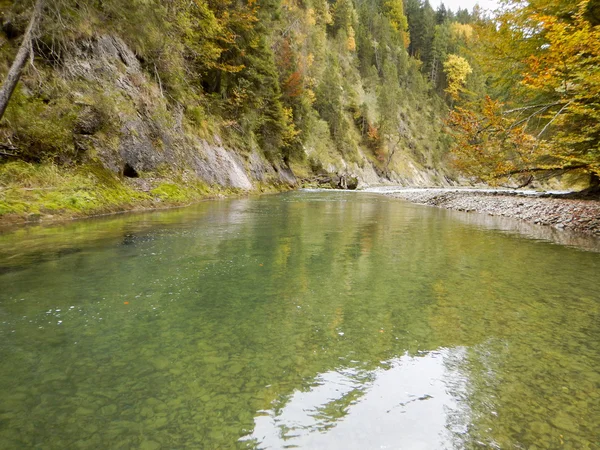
pixel 552 124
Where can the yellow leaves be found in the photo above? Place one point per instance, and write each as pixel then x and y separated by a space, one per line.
pixel 311 18
pixel 291 132
pixel 496 145
pixel 398 20
pixel 546 61
pixel 328 17
pixel 456 69
pixel 310 96
pixel 395 10
pixel 238 96
pixel 567 66
pixel 569 59
pixel 351 42
pixel 461 31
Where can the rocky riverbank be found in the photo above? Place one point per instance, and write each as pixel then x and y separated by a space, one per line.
pixel 555 210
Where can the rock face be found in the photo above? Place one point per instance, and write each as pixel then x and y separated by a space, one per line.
pixel 151 136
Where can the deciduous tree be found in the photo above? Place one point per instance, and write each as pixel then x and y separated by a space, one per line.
pixel 551 52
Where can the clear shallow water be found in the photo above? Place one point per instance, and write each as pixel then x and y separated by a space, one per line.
pixel 307 320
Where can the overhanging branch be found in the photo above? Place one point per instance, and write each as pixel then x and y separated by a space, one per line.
pixel 542 169
pixel 525 108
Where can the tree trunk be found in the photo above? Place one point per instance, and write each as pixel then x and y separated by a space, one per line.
pixel 11 80
pixel 594 182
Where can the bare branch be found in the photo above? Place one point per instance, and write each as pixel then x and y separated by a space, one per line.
pixel 159 81
pixel 524 108
pixel 552 120
pixel 542 169
pixel 528 118
pixel 288 29
pixel 12 78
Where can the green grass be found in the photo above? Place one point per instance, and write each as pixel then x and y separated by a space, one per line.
pixel 184 191
pixel 31 191
pixel 27 189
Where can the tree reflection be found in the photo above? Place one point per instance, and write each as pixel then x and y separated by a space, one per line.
pixel 212 322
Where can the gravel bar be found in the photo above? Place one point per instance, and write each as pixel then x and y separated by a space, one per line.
pixel 580 215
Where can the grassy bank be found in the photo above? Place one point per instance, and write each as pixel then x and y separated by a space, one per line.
pixel 44 192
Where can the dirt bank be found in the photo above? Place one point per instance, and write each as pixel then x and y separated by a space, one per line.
pixel 581 215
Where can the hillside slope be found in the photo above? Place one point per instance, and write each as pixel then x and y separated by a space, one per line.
pixel 129 104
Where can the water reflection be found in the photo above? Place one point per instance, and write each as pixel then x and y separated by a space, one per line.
pixel 527 229
pixel 35 244
pixel 414 402
pixel 173 329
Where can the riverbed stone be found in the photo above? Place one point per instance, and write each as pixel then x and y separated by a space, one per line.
pixel 109 410
pixel 150 445
pixel 161 420
pixel 565 422
pixel 147 412
pixel 161 363
pixel 83 411
pixel 560 212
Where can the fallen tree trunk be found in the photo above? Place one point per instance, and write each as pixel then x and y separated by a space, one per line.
pixel 11 80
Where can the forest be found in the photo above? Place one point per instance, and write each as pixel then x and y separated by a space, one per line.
pixel 425 274
pixel 314 87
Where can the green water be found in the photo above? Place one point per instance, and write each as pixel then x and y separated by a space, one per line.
pixel 305 320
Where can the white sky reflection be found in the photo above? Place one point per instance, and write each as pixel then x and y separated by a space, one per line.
pixel 414 402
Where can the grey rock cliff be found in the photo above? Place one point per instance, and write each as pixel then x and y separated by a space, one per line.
pixel 151 136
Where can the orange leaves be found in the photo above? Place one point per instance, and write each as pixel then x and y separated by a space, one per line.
pixel 373 133
pixel 553 50
pixel 569 65
pixel 569 57
pixel 465 122
pixel 292 86
pixel 375 142
pixel 491 146
pixel 351 42
pixel 537 77
pixel 292 82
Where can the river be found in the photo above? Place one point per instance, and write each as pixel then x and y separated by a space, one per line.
pixel 309 320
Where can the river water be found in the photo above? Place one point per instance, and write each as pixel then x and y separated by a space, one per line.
pixel 304 320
